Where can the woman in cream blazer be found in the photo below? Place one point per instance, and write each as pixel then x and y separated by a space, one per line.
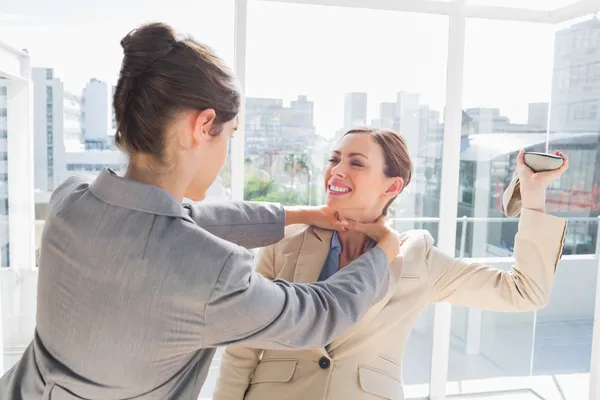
pixel 365 362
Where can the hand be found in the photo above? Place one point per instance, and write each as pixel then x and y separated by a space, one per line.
pixel 319 216
pixel 534 184
pixel 380 231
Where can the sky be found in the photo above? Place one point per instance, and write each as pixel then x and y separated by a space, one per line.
pixel 317 51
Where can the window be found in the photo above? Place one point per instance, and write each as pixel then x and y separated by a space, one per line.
pixel 506 123
pixel 497 95
pixel 3 91
pixel 294 120
pixel 49 73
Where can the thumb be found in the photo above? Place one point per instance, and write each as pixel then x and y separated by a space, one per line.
pixel 353 225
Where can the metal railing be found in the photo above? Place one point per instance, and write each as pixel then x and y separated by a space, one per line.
pixel 464 220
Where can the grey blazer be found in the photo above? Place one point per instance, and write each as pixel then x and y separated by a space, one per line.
pixel 136 290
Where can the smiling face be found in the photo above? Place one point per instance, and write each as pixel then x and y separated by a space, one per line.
pixel 358 181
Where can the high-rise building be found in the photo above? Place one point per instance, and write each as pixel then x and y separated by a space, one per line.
pixel 387 115
pixel 408 120
pixel 302 112
pixel 97 115
pixel 537 117
pixel 54 113
pixel 576 79
pixel 355 110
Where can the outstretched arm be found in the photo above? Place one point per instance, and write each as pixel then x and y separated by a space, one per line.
pixel 256 224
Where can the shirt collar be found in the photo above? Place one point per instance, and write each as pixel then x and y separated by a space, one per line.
pixel 127 193
pixel 335 241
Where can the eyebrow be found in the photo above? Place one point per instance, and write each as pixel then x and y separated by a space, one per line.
pixel 351 154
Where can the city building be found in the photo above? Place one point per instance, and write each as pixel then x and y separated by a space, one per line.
pixel 576 78
pixel 98 115
pixel 537 116
pixel 56 119
pixel 355 110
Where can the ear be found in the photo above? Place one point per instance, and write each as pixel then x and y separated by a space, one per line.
pixel 202 125
pixel 395 188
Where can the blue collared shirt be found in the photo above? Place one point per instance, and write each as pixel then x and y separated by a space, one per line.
pixel 332 263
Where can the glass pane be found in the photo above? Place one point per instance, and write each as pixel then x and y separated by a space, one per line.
pixel 307 87
pixel 563 334
pixel 505 102
pixel 545 5
pixel 555 341
pixel 575 129
pixel 76 54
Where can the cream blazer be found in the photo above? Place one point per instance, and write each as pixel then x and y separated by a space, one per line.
pixel 366 362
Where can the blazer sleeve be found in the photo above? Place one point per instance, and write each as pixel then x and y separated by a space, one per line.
pixel 239 362
pixel 246 307
pixel 245 223
pixel 538 247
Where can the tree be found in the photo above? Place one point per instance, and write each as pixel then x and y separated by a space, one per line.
pixel 291 166
pixel 304 163
pixel 262 189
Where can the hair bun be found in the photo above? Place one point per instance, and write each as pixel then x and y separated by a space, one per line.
pixel 145 45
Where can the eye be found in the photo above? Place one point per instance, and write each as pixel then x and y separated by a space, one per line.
pixel 333 160
pixel 356 164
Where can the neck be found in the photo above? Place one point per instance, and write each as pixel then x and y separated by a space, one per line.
pixel 142 170
pixel 354 244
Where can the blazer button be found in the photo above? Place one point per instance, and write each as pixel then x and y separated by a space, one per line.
pixel 324 362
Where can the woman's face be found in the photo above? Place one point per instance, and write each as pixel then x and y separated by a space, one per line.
pixel 355 183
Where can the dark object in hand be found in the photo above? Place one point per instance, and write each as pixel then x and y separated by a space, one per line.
pixel 540 162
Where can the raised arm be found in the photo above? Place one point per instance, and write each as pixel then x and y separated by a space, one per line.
pixel 538 246
pixel 238 361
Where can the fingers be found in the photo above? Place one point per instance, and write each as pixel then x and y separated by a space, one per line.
pixel 521 158
pixel 522 168
pixel 565 165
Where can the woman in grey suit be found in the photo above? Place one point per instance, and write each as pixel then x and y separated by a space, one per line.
pixel 135 289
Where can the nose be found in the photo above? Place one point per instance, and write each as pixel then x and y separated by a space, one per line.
pixel 338 170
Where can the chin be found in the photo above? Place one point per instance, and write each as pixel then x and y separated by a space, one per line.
pixel 195 196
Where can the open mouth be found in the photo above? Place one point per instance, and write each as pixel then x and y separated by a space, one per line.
pixel 338 190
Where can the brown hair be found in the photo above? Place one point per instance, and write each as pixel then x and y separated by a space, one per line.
pixel 395 153
pixel 162 75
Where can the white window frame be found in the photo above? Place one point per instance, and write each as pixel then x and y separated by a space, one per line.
pixel 16 74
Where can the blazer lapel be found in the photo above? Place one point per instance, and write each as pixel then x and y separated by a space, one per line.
pixel 313 254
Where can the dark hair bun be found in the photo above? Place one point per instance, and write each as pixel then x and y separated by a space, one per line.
pixel 143 46
pixel 164 74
